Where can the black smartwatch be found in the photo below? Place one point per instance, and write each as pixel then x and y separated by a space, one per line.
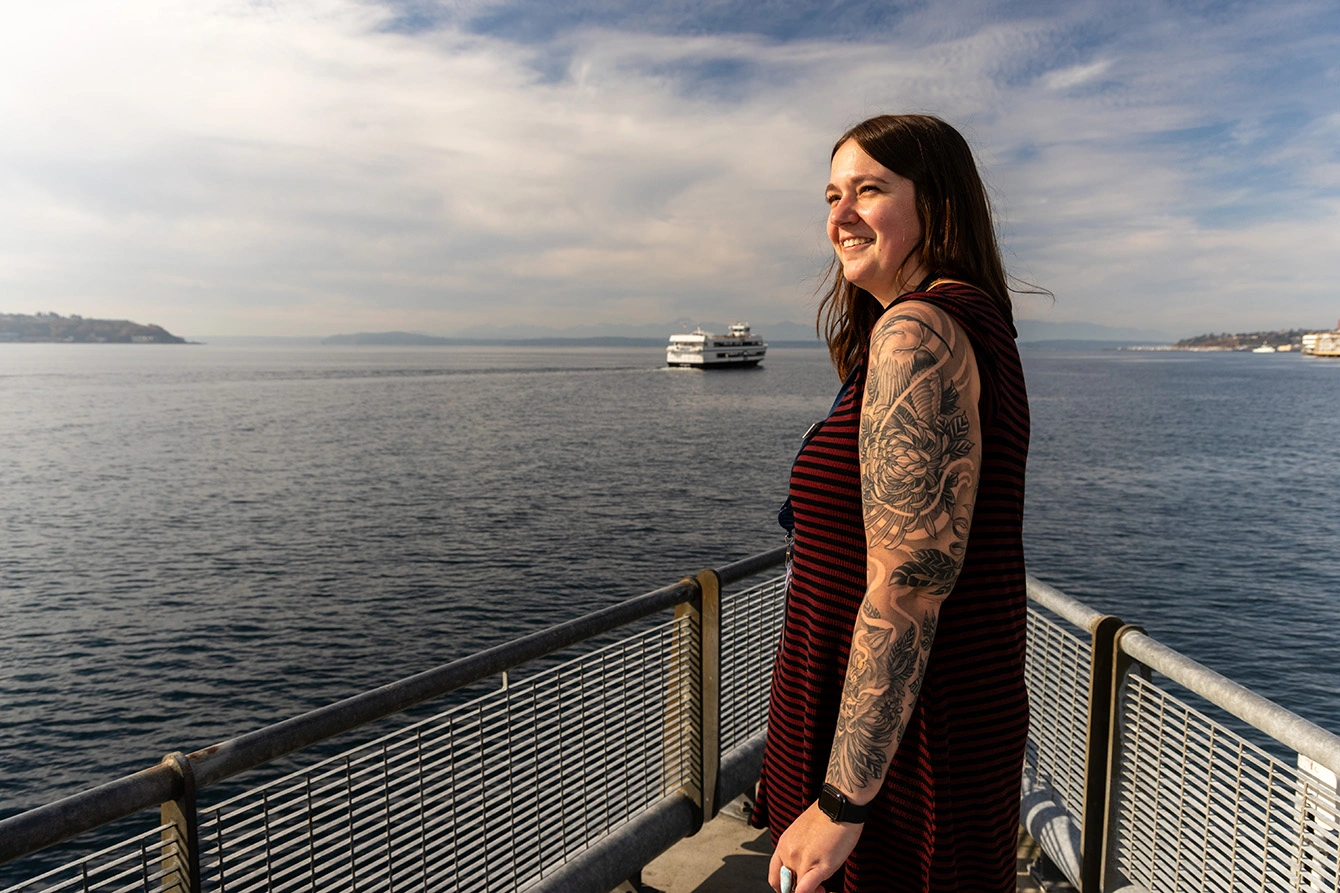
pixel 834 804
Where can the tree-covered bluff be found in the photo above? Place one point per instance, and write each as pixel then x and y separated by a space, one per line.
pixel 76 329
pixel 1277 339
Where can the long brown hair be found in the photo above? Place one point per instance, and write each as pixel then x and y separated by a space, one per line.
pixel 958 240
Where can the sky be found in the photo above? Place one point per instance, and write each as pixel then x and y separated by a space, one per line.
pixel 224 167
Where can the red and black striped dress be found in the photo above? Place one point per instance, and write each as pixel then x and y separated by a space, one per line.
pixel 947 815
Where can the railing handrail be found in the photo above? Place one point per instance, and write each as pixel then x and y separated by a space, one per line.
pixel 1063 606
pixel 1261 713
pixel 55 822
pixel 220 761
pixel 41 827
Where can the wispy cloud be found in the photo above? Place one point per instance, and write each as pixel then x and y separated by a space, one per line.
pixel 330 165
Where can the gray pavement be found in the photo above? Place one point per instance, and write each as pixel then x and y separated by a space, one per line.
pixel 727 856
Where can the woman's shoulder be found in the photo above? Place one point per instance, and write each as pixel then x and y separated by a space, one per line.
pixel 939 289
pixel 970 305
pixel 959 288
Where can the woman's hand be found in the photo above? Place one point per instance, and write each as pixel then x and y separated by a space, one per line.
pixel 813 848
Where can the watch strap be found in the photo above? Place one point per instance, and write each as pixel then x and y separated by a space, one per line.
pixel 834 804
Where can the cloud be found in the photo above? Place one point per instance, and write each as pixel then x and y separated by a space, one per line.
pixel 325 165
pixel 1076 76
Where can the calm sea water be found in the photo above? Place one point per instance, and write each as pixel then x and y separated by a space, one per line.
pixel 198 541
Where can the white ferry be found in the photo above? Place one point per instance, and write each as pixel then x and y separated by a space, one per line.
pixel 737 349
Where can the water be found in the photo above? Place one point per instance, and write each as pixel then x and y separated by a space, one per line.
pixel 1196 495
pixel 199 541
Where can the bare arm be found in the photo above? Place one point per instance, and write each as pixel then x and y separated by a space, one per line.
pixel 921 449
pixel 920 445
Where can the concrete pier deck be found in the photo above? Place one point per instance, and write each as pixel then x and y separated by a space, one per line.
pixel 728 856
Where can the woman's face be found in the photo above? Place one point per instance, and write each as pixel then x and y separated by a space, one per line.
pixel 873 224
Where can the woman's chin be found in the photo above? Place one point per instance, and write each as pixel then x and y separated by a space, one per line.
pixel 872 286
pixel 857 275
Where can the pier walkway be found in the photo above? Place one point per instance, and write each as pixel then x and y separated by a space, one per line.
pixel 728 856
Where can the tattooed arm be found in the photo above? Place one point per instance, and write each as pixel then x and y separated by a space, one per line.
pixel 920 447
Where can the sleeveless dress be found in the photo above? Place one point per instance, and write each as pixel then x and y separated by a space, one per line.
pixel 947 815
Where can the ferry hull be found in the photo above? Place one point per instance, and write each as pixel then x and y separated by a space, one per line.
pixel 715 364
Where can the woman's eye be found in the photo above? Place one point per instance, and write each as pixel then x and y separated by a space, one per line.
pixel 865 189
pixel 831 198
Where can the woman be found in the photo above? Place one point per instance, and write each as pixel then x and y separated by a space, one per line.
pixel 898 714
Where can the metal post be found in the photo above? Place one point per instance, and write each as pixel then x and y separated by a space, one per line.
pixel 1095 757
pixel 181 840
pixel 684 722
pixel 1319 831
pixel 710 688
pixel 1122 667
pixel 703 700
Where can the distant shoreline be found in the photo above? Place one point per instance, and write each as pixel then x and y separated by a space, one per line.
pixel 611 341
pixel 52 328
pixel 600 341
pixel 405 339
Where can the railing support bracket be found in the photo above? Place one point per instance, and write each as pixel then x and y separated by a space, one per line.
pixel 181 840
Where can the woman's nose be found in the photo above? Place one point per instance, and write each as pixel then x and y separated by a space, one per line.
pixel 843 211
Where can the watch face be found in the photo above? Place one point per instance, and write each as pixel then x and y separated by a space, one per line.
pixel 834 804
pixel 830 802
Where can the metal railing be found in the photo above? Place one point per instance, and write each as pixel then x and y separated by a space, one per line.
pixel 1127 786
pixel 572 779
pixel 577 776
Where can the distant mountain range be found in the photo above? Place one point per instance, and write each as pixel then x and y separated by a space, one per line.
pixel 785 332
pixel 417 339
pixel 652 334
pixel 660 331
pixel 1035 331
pixel 73 328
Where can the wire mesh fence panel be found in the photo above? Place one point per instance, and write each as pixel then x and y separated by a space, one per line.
pixel 146 861
pixel 1198 807
pixel 487 796
pixel 1057 674
pixel 751 622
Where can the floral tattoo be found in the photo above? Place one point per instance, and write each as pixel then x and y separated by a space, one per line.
pixel 919 445
pixel 913 434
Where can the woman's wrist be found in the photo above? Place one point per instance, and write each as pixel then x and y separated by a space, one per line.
pixel 840 808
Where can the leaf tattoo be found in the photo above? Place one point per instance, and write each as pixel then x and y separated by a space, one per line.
pixel 928 628
pixel 929 569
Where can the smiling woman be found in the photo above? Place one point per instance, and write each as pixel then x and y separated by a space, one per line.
pixel 898 714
